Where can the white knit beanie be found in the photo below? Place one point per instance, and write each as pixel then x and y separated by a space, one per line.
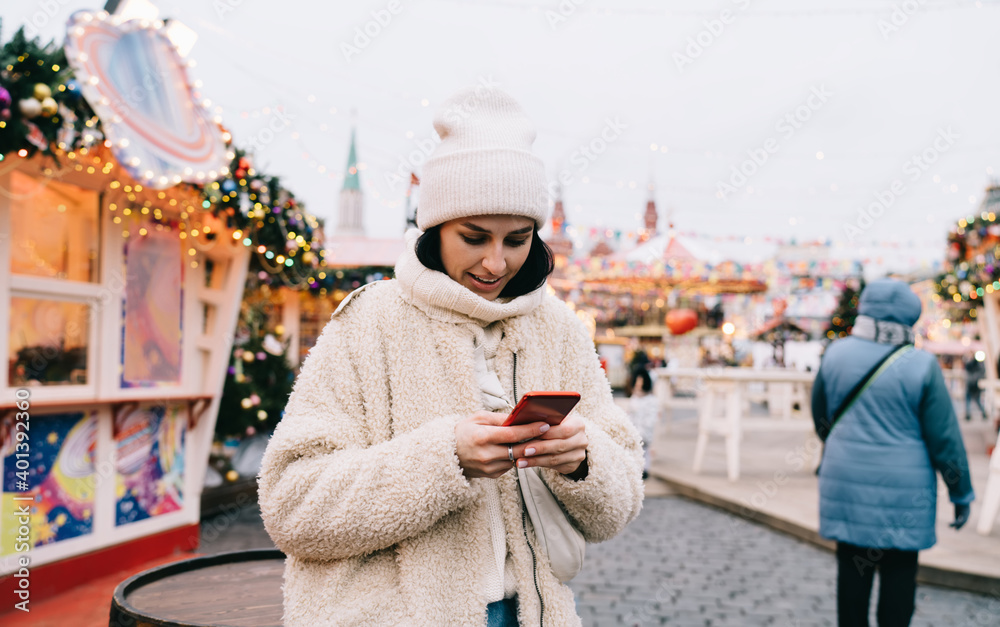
pixel 484 164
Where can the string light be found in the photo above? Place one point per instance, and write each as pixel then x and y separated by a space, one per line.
pixel 128 200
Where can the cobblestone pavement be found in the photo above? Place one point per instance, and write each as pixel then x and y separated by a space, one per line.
pixel 682 563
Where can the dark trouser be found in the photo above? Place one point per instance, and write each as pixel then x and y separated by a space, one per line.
pixel 897 585
pixel 974 396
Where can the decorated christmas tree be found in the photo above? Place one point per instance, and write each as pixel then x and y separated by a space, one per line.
pixel 259 379
pixel 842 319
pixel 41 106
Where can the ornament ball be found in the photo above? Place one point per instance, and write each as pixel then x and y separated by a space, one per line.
pixel 73 90
pixel 5 98
pixel 49 107
pixel 41 91
pixel 30 108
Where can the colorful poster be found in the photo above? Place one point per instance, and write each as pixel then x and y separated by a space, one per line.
pixel 151 342
pixel 150 447
pixel 60 480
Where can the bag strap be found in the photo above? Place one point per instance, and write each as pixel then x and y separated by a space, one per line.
pixel 867 381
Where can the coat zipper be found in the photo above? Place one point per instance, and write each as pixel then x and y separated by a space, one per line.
pixel 524 524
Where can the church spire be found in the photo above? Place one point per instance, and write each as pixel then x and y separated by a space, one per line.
pixel 558 242
pixel 651 217
pixel 558 214
pixel 350 219
pixel 351 178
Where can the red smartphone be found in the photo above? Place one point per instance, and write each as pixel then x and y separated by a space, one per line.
pixel 550 407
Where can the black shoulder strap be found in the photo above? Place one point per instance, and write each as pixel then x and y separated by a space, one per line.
pixel 844 404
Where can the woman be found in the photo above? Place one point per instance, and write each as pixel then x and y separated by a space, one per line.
pixel 644 412
pixel 877 483
pixel 388 482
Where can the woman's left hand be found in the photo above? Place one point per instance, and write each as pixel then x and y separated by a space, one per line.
pixel 562 448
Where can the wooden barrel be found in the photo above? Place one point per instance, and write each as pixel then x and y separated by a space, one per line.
pixel 241 589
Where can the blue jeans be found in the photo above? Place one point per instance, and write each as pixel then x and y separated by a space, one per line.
pixel 502 613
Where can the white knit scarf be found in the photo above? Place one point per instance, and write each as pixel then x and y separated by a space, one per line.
pixel 442 298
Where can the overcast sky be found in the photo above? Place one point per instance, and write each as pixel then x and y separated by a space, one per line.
pixel 848 100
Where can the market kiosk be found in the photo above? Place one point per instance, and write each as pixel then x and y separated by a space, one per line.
pixel 120 294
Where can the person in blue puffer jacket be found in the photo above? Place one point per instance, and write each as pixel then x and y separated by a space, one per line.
pixel 877 483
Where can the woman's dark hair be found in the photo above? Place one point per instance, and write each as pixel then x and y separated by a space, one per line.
pixel 537 267
pixel 647 381
pixel 639 373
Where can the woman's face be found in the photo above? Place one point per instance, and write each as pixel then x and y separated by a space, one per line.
pixel 484 253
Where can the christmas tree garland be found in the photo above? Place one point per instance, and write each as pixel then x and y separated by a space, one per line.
pixel 972 263
pixel 41 107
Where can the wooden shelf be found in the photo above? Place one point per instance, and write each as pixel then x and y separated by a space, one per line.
pixel 90 403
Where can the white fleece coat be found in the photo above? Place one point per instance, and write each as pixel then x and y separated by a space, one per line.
pixel 361 486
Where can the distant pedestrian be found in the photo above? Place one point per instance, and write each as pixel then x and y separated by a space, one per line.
pixel 884 411
pixel 644 410
pixel 975 370
pixel 639 362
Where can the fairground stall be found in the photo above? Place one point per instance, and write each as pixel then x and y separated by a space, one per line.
pixel 297 278
pixel 126 226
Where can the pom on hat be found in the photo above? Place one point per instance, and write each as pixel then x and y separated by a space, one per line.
pixel 484 164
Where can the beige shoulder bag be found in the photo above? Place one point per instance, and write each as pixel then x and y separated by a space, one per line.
pixel 557 537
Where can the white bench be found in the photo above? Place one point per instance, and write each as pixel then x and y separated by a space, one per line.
pixel 722 406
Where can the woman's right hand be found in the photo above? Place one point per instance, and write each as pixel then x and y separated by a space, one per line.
pixel 481 443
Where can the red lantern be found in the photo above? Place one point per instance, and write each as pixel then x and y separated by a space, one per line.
pixel 680 321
